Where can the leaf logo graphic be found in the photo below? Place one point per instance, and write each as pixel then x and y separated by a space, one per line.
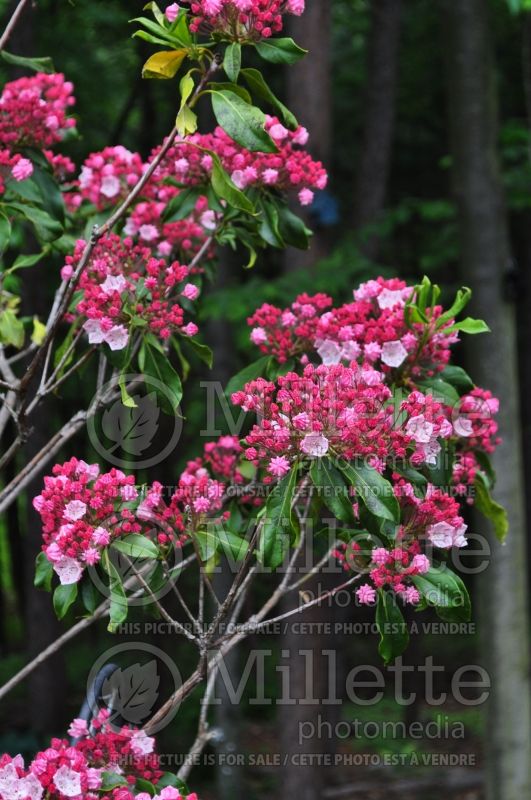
pixel 132 692
pixel 132 429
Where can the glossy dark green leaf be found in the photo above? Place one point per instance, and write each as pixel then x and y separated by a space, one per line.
pixel 280 51
pixel 248 373
pixel 43 572
pixel 63 597
pixel 442 588
pixel 259 87
pixel 233 60
pixel 243 123
pixel 332 489
pixel 279 522
pixel 167 385
pixel 374 491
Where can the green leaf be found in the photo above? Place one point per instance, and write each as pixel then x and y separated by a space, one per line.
pixel 180 31
pixel 43 572
pixel 228 86
pixel 280 51
pixel 118 608
pixel 412 475
pixel 490 508
pixel 21 262
pixel 181 205
pixel 5 232
pixel 136 546
pixel 269 226
pixel 462 299
pixel 441 472
pixel 442 391
pixel 258 86
pixel 458 378
pixel 52 196
pixel 292 229
pixel 156 30
pixel 156 365
pixel 44 64
pixel 202 351
pixel 469 325
pixel 142 785
pixel 89 595
pixel 243 123
pixel 249 373
pixel 11 329
pixel 394 636
pixel 279 523
pixel 186 121
pixel 63 597
pixel 334 489
pixel 233 61
pixel 110 781
pixel 442 588
pixel 47 228
pixel 217 538
pixel 375 492
pixel 226 189
pixel 169 779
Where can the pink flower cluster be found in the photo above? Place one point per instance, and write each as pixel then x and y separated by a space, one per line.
pixel 33 111
pixel 285 334
pixel 82 512
pixel 106 177
pixel 292 168
pixel 124 286
pixel 394 569
pixel 342 411
pixel 238 20
pixel 370 330
pixel 201 487
pixel 76 771
pixel 434 518
pixel 179 238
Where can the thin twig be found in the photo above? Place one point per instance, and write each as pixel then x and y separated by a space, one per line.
pixel 12 23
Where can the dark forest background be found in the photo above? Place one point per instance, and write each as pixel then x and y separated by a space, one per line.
pixel 421 111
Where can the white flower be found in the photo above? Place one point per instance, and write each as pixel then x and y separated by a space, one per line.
pixel 85 177
pixel 420 429
pixel 148 232
pixel 69 571
pixel 142 744
pixel 350 351
pixel 389 298
pixel 75 509
pixel 441 534
pixel 459 536
pixel 463 426
pixel 110 186
pixel 393 353
pixel 113 283
pixel 117 337
pixel 315 444
pixel 330 352
pixel 430 451
pixel 67 781
pixel 208 220
pixel 94 330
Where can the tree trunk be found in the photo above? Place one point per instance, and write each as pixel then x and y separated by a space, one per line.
pixel 485 263
pixel 374 161
pixel 309 96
